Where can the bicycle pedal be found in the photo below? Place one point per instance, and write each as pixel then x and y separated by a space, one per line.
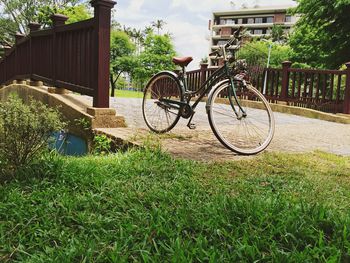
pixel 192 126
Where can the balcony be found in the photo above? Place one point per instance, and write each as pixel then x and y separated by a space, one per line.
pixel 248 25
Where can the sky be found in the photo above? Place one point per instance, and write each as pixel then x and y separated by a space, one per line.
pixel 187 20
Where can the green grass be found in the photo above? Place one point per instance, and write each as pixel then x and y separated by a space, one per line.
pixel 145 206
pixel 128 94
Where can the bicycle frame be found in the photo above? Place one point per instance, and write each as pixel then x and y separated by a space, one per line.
pixel 206 87
pixel 222 72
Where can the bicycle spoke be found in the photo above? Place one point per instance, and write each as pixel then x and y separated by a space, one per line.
pixel 246 133
pixel 161 116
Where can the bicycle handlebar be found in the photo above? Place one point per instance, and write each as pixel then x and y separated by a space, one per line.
pixel 236 35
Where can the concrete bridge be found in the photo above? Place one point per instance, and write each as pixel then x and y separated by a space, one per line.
pixel 297 129
pixel 50 64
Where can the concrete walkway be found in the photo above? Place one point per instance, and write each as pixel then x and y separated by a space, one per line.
pixel 293 134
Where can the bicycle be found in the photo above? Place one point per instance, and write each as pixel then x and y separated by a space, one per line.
pixel 239 115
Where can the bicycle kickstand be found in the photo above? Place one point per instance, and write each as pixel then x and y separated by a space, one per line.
pixel 190 125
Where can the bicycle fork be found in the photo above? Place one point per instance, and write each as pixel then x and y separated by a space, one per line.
pixel 242 113
pixel 232 93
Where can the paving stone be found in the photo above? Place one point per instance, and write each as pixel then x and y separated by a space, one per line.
pixel 293 134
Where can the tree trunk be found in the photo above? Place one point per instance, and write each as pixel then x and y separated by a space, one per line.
pixel 112 85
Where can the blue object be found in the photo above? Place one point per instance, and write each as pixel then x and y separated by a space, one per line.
pixel 68 144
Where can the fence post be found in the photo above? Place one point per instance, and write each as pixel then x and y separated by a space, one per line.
pixel 101 51
pixel 285 79
pixel 346 108
pixel 18 37
pixel 5 61
pixel 6 50
pixel 32 28
pixel 204 67
pixel 57 20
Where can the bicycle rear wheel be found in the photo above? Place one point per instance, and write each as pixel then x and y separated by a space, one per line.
pixel 161 116
pixel 243 134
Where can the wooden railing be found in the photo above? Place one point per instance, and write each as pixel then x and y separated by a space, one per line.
pixel 74 56
pixel 323 90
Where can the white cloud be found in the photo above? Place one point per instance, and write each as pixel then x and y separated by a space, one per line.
pixel 135 5
pixel 189 39
pixel 202 6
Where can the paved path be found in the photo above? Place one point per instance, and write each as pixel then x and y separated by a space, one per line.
pixel 293 134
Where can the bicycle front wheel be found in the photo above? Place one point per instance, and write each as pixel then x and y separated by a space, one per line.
pixel 159 108
pixel 247 129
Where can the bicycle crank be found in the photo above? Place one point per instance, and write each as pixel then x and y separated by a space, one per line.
pixel 186 111
pixel 191 125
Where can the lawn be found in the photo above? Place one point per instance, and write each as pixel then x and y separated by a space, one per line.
pixel 145 206
pixel 128 94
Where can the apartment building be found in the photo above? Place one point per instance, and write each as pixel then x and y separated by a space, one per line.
pixel 258 22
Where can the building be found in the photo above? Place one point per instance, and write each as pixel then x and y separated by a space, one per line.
pixel 258 21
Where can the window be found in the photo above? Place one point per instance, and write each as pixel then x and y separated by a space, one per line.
pixel 288 19
pixel 258 32
pixel 269 19
pixel 230 21
pixel 240 21
pixel 222 22
pixel 250 20
pixel 258 20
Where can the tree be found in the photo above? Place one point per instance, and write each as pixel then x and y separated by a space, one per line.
pixel 139 38
pixel 8 29
pixel 158 24
pixel 19 13
pixel 256 53
pixel 157 55
pixel 148 30
pixel 277 33
pixel 121 57
pixel 322 36
pixel 74 13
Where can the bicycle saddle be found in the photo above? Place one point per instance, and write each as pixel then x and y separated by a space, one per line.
pixel 183 62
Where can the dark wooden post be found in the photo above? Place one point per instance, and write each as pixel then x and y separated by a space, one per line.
pixel 18 37
pixel 101 49
pixel 6 53
pixel 15 71
pixel 6 50
pixel 32 27
pixel 204 68
pixel 285 79
pixel 346 108
pixel 57 20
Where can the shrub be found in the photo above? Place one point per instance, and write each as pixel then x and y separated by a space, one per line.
pixel 101 144
pixel 25 131
pixel 256 53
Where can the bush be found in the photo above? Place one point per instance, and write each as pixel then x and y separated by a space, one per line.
pixel 256 53
pixel 101 144
pixel 25 131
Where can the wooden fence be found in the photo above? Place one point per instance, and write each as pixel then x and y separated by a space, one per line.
pixel 323 90
pixel 74 56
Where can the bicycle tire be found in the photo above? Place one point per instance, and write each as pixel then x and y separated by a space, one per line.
pixel 160 117
pixel 236 133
